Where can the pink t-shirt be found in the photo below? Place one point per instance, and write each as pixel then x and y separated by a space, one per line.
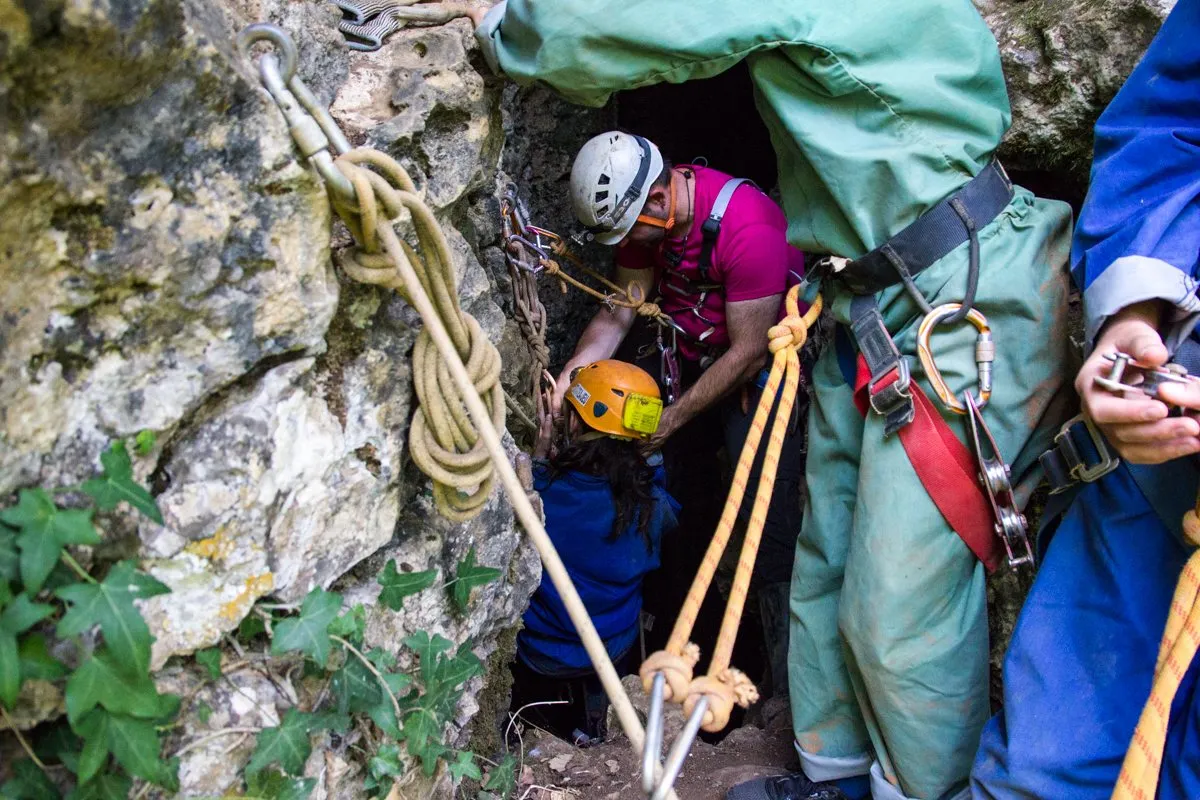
pixel 752 259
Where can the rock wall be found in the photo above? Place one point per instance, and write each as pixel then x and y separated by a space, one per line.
pixel 165 266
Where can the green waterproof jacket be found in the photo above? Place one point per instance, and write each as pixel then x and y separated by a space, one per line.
pixel 878 109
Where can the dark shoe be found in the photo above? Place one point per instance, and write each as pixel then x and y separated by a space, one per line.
pixel 796 786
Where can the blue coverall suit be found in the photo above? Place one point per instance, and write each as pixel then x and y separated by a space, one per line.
pixel 1082 658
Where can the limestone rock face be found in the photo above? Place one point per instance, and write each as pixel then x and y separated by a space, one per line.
pixel 166 265
pixel 1063 62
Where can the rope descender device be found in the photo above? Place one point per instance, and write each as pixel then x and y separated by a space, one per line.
pixel 1152 378
pixel 456 370
pixel 667 675
pixel 994 475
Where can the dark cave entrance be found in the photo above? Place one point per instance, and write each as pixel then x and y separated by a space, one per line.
pixel 716 120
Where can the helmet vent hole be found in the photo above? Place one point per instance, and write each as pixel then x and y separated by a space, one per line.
pixel 618 392
pixel 603 180
pixel 599 410
pixel 601 196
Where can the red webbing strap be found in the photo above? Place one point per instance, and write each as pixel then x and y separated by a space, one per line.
pixel 945 468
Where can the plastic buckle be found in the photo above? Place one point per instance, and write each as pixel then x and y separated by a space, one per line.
pixel 1077 467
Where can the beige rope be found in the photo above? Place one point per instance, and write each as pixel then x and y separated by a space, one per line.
pixel 723 685
pixel 444 442
pixel 429 287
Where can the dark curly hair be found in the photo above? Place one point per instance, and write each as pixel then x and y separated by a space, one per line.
pixel 621 464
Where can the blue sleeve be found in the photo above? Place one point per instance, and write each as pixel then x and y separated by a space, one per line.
pixel 1139 232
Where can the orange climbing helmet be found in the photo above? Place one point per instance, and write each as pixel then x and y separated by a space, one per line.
pixel 616 399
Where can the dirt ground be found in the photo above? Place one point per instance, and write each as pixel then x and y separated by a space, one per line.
pixel 556 770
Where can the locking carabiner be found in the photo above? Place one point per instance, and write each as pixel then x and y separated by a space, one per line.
pixel 985 354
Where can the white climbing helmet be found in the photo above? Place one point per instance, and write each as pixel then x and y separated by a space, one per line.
pixel 610 181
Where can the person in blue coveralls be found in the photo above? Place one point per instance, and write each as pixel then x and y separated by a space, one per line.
pixel 606 510
pixel 1082 659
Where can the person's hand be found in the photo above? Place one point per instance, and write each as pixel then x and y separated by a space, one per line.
pixel 1136 424
pixel 477 13
pixel 560 390
pixel 667 425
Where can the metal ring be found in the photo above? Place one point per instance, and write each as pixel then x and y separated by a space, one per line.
pixel 266 32
pixel 925 351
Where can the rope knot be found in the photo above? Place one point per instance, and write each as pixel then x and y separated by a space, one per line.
pixel 791 331
pixel 677 670
pixel 648 309
pixel 721 699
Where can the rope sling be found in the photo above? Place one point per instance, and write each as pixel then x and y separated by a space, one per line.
pixel 667 675
pixel 1180 641
pixel 370 190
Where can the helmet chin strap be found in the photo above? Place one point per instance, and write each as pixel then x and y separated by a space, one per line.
pixel 657 222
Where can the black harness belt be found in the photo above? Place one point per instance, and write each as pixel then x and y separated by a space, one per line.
pixel 931 236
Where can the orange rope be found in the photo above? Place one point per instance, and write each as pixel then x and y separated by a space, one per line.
pixel 723 684
pixel 1143 761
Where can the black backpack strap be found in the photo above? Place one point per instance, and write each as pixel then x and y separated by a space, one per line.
pixel 712 225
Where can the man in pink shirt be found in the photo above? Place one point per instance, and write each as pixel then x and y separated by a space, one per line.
pixel 723 289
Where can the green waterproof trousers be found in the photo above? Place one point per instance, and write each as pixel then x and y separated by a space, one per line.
pixel 888 659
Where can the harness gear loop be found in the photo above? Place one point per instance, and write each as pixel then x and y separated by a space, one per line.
pixel 1142 767
pixel 400 267
pixel 985 354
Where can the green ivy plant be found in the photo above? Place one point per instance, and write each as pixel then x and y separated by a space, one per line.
pixel 411 713
pixel 51 609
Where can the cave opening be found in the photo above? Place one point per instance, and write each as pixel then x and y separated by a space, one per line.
pixel 711 121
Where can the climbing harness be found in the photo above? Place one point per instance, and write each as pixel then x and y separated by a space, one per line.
pixel 667 675
pixel 1140 771
pixel 970 486
pixel 369 191
pixel 366 23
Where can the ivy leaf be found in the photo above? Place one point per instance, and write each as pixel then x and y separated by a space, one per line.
pixel 464 766
pixel 467 577
pixel 382 659
pixel 36 661
pixel 143 443
pixel 210 659
pixel 22 614
pixel 399 585
pixel 427 650
pixel 10 670
pixel 45 531
pixel 135 744
pixel 250 627
pixel 10 560
pixel 109 786
pixel 116 483
pixel 287 745
pixel 329 721
pixel 309 633
pixel 460 669
pixel 28 783
pixel 355 688
pixel 110 604
pixel 102 681
pixel 94 729
pixel 204 712
pixel 503 777
pixel 273 785
pixel 350 625
pixel 422 733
